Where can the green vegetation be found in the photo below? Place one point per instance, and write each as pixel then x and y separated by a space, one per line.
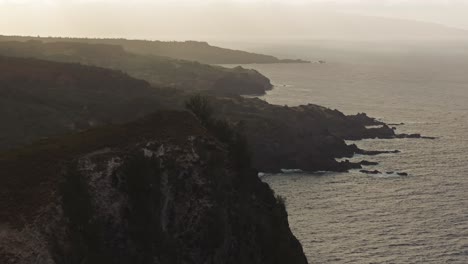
pixel 200 107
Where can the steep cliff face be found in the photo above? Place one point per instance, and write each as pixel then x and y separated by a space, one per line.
pixel 159 190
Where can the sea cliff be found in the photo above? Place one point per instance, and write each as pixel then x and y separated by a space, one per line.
pixel 158 190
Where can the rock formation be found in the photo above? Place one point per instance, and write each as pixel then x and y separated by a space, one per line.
pixel 158 190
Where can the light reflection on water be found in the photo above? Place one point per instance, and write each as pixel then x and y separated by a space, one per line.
pixel 358 218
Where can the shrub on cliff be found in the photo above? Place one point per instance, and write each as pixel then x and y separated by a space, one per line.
pixel 200 107
pixel 231 135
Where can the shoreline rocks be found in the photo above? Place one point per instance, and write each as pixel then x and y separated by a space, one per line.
pixel 374 172
pixel 368 163
pixel 306 137
pixel 413 136
pixel 376 152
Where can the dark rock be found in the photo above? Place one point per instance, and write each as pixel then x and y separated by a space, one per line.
pixel 383 132
pixel 376 152
pixel 158 189
pixel 347 165
pixel 413 136
pixel 370 172
pixel 368 163
pixel 365 120
pixel 408 136
pixel 402 173
pixel 390 172
pixel 242 81
pixel 306 137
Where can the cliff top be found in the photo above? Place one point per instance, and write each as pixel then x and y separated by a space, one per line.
pixel 29 175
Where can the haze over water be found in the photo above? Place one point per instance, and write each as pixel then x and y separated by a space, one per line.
pixel 358 218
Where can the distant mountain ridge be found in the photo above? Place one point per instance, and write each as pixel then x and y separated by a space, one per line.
pixel 157 70
pixel 187 50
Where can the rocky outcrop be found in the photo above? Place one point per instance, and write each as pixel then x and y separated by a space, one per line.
pixel 413 136
pixel 365 120
pixel 307 137
pixel 368 163
pixel 371 172
pixel 242 81
pixel 159 190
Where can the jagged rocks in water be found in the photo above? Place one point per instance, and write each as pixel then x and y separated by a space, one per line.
pixel 370 172
pixel 158 190
pixel 376 152
pixel 413 136
pixel 396 124
pixel 306 137
pixel 408 136
pixel 368 163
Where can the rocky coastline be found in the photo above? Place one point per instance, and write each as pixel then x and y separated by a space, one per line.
pixel 102 163
pixel 308 137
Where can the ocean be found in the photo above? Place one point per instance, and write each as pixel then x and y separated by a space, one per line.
pixel 359 218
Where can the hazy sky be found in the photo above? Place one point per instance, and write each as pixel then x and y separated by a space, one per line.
pixel 156 19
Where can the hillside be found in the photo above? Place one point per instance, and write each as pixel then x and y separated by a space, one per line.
pixel 40 99
pixel 158 190
pixel 157 70
pixel 189 50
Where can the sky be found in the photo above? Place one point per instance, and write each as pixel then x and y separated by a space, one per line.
pixel 159 19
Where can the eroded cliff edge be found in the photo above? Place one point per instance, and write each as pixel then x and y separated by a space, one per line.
pixel 158 190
